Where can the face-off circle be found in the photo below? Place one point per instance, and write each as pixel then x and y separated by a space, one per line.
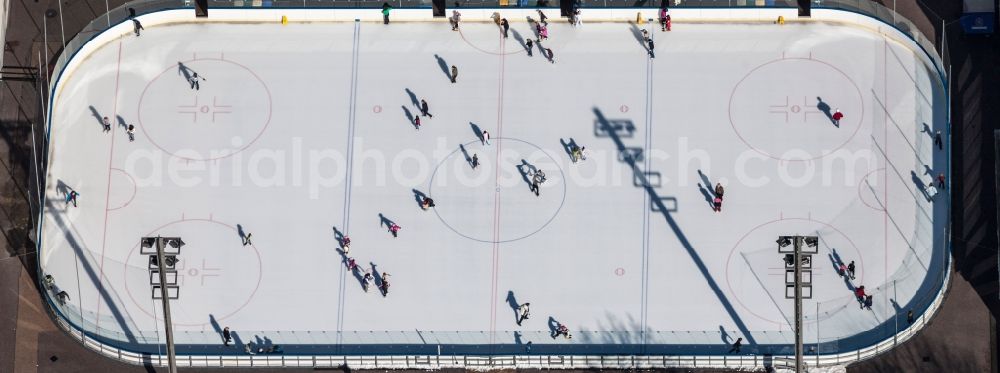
pixel 466 199
pixel 217 275
pixel 756 255
pixel 228 113
pixel 788 104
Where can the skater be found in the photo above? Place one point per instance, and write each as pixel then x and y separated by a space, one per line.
pixel 416 122
pixel 248 348
pixel 394 229
pixel 475 161
pixel 663 19
pixel 423 109
pixel 542 18
pixel 346 244
pixel 486 137
pixel 937 140
pixel 367 281
pixel 384 287
pixel 385 13
pixel 49 282
pixel 736 345
pixel 577 18
pixel 62 296
pixel 868 303
pixel 226 337
pixel 130 130
pixel 536 181
pixel 531 45
pixel 645 35
pixel 456 17
pixel 575 153
pixel 107 124
pixel 549 55
pixel 137 26
pixel 427 203
pixel 940 181
pixel 351 264
pixel 859 293
pixel 246 239
pixel 650 41
pixel 454 73
pixel 545 33
pixel 194 80
pixel 842 270
pixel 719 190
pixel 71 197
pixel 505 26
pixel 850 269
pixel 717 204
pixel 522 312
pixel 583 153
pixel 837 116
pixel 562 330
pixel 909 317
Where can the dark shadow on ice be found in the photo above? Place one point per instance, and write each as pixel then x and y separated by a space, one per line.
pixel 384 220
pixel 419 196
pixel 706 182
pixel 568 146
pixel 465 154
pixel 823 107
pixel 519 38
pixel 121 121
pixel 216 327
pixel 413 98
pixel 377 276
pixel 478 131
pixel 526 169
pixel 517 338
pixel 409 115
pixel 611 133
pixel 920 185
pixel 512 303
pixel 553 326
pixel 708 196
pixel 444 66
pixel 100 119
pixel 182 69
pixel 637 33
pixel 241 232
pixel 724 335
pixel 339 236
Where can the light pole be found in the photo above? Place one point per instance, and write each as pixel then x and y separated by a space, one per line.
pixel 163 253
pixel 798 252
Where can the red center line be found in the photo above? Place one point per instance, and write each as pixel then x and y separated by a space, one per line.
pixel 107 195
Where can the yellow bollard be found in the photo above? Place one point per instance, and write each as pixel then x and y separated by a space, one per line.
pixel 284 20
pixel 638 19
pixel 781 20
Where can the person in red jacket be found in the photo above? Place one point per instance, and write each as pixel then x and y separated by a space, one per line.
pixel 837 115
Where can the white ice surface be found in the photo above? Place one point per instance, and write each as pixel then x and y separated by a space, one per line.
pixel 269 151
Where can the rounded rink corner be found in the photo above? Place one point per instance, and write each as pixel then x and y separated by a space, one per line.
pixel 303 163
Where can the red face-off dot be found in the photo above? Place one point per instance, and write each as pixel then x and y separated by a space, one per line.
pixel 377 109
pixel 623 108
pixel 620 271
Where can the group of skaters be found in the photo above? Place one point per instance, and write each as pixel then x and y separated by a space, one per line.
pixel 367 279
pixel 847 271
pixel 560 329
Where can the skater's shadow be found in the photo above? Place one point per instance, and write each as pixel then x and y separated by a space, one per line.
pixel 478 131
pixel 637 34
pixel 895 306
pixel 928 170
pixel 553 327
pixel 376 275
pixel 541 17
pixel 182 69
pixel 519 38
pixel 216 327
pixel 465 154
pixel 517 338
pixel 708 195
pixel 568 146
pixel 707 182
pixel 535 27
pixel 62 189
pixel 724 335
pixel 926 129
pixel 339 236
pixel 409 115
pixel 419 196
pixel 100 119
pixel 121 121
pixel 835 262
pixel 920 185
pixel 385 221
pixel 241 232
pixel 526 170
pixel 512 303
pixel 354 271
pixel 824 108
pixel 413 98
pixel 237 341
pixel 444 66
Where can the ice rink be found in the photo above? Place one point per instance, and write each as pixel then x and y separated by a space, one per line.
pixel 302 133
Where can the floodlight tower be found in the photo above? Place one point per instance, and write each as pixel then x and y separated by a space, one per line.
pixel 163 252
pixel 798 280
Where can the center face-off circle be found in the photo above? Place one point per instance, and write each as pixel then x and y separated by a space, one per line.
pixel 226 115
pixel 466 199
pixel 785 105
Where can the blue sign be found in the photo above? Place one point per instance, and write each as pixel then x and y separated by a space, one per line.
pixel 977 23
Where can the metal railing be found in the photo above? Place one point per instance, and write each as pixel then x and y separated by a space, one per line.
pixel 78 326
